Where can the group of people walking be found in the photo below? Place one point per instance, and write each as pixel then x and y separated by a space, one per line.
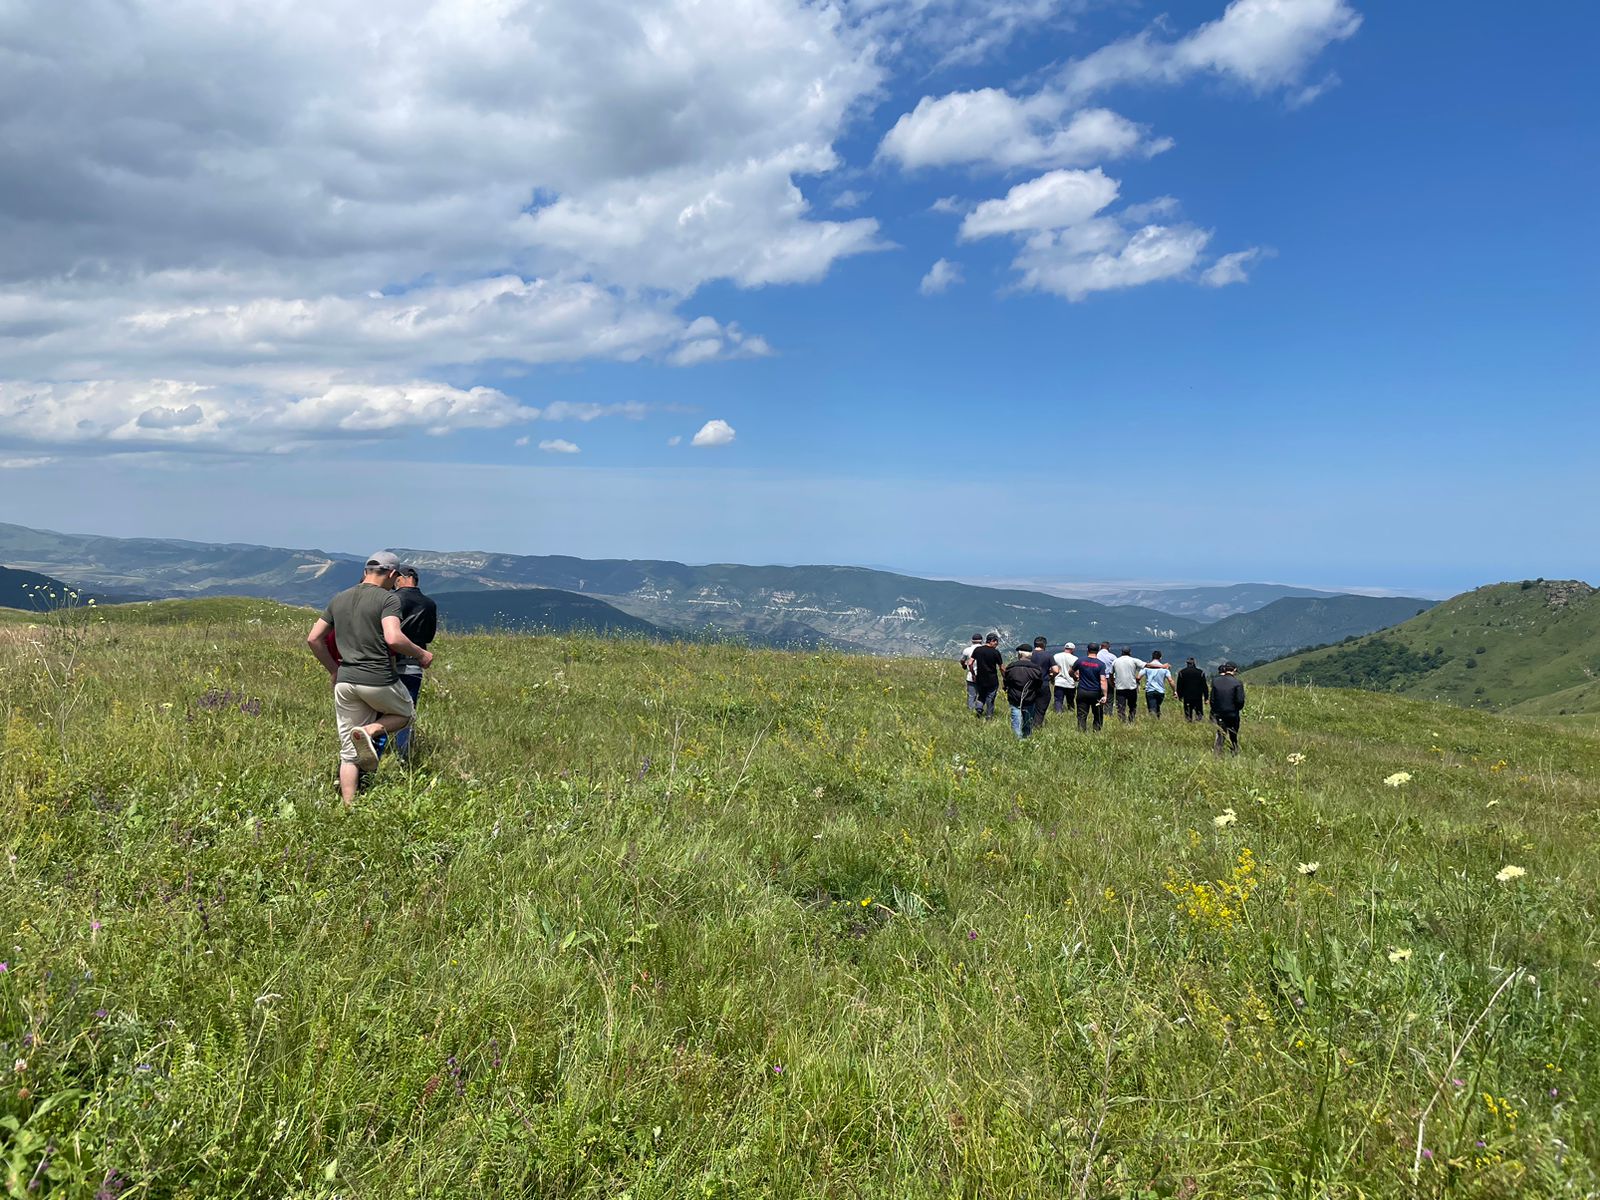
pixel 1037 681
pixel 373 639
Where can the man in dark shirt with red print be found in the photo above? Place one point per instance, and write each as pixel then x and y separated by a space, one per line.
pixel 1092 679
pixel 986 664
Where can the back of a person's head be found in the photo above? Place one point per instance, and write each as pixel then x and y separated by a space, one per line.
pixel 1155 656
pixel 977 637
pixel 992 639
pixel 1127 652
pixel 1041 642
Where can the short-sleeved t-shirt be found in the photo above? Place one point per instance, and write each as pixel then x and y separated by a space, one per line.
pixel 1064 660
pixel 986 663
pixel 1155 678
pixel 1091 674
pixel 356 615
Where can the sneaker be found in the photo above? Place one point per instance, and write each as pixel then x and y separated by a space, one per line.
pixel 366 752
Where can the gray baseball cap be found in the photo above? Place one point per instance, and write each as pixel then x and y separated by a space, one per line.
pixel 383 560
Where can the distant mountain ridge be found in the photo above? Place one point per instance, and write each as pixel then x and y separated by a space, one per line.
pixel 1295 622
pixel 850 608
pixel 1531 647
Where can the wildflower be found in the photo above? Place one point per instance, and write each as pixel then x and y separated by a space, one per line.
pixel 972 935
pixel 867 902
pixel 777 1068
pixel 1399 954
pixel 1508 873
pixel 20 1066
pixel 4 967
pixel 94 926
pixel 1296 759
pixel 1309 868
pixel 1398 778
pixel 1227 817
pixel 1460 1083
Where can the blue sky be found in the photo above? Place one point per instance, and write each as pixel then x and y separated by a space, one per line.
pixel 303 311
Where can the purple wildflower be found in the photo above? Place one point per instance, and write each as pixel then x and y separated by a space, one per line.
pixel 777 1068
pixel 972 935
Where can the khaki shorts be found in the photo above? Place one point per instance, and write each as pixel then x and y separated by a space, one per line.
pixel 358 704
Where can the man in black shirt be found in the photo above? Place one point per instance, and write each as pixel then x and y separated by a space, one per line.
pixel 419 621
pixel 1191 684
pixel 1045 661
pixel 1227 704
pixel 986 663
pixel 1024 682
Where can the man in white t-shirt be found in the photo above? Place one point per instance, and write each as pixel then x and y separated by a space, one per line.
pixel 971 669
pixel 1064 686
pixel 1125 670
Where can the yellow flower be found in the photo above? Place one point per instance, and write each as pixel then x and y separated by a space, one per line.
pixel 1228 817
pixel 866 902
pixel 1507 874
pixel 1398 778
pixel 1399 954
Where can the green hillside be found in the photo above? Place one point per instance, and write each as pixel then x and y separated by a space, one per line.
pixel 1529 647
pixel 536 610
pixel 647 921
pixel 28 589
pixel 1293 623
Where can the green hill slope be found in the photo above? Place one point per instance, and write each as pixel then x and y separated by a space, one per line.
pixel 642 919
pixel 1530 647
pixel 1293 623
pixel 536 610
pixel 28 589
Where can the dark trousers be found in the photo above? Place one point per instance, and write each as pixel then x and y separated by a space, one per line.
pixel 402 740
pixel 986 700
pixel 1194 710
pixel 1152 701
pixel 1089 702
pixel 1227 724
pixel 1127 703
pixel 1041 706
pixel 1063 699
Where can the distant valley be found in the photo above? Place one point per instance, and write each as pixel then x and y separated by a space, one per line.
pixel 839 607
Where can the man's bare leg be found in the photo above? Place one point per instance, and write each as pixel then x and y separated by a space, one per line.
pixel 349 781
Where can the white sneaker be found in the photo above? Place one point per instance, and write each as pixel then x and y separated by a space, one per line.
pixel 366 752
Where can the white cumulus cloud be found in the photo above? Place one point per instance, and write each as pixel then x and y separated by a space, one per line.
pixel 1230 268
pixel 558 446
pixel 1053 200
pixel 715 432
pixel 993 128
pixel 941 277
pixel 1262 44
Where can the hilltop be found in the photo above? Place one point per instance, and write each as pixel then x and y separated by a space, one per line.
pixel 1530 647
pixel 650 921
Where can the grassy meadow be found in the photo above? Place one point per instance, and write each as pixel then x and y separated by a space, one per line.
pixel 683 921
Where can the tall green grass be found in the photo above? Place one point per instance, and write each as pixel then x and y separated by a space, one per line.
pixel 684 921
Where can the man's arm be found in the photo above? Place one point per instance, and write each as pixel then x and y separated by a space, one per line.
pixel 1241 695
pixel 317 641
pixel 398 642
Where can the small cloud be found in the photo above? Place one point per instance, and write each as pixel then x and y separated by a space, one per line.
pixel 162 417
pixel 1231 268
pixel 850 199
pixel 715 432
pixel 22 464
pixel 1151 210
pixel 941 277
pixel 949 204
pixel 675 440
pixel 558 446
pixel 521 441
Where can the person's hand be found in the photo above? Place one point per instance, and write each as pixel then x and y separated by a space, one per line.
pixel 426 660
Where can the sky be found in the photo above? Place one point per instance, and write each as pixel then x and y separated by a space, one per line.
pixel 1288 290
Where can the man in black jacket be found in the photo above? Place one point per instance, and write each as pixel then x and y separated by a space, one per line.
pixel 1191 684
pixel 1227 704
pixel 419 621
pixel 1023 682
pixel 986 663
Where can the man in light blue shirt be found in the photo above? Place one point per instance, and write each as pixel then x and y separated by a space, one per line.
pixel 1156 675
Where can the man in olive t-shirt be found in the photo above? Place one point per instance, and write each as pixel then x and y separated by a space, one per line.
pixel 368 698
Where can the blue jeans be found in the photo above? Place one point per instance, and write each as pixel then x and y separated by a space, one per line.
pixel 402 740
pixel 1022 719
